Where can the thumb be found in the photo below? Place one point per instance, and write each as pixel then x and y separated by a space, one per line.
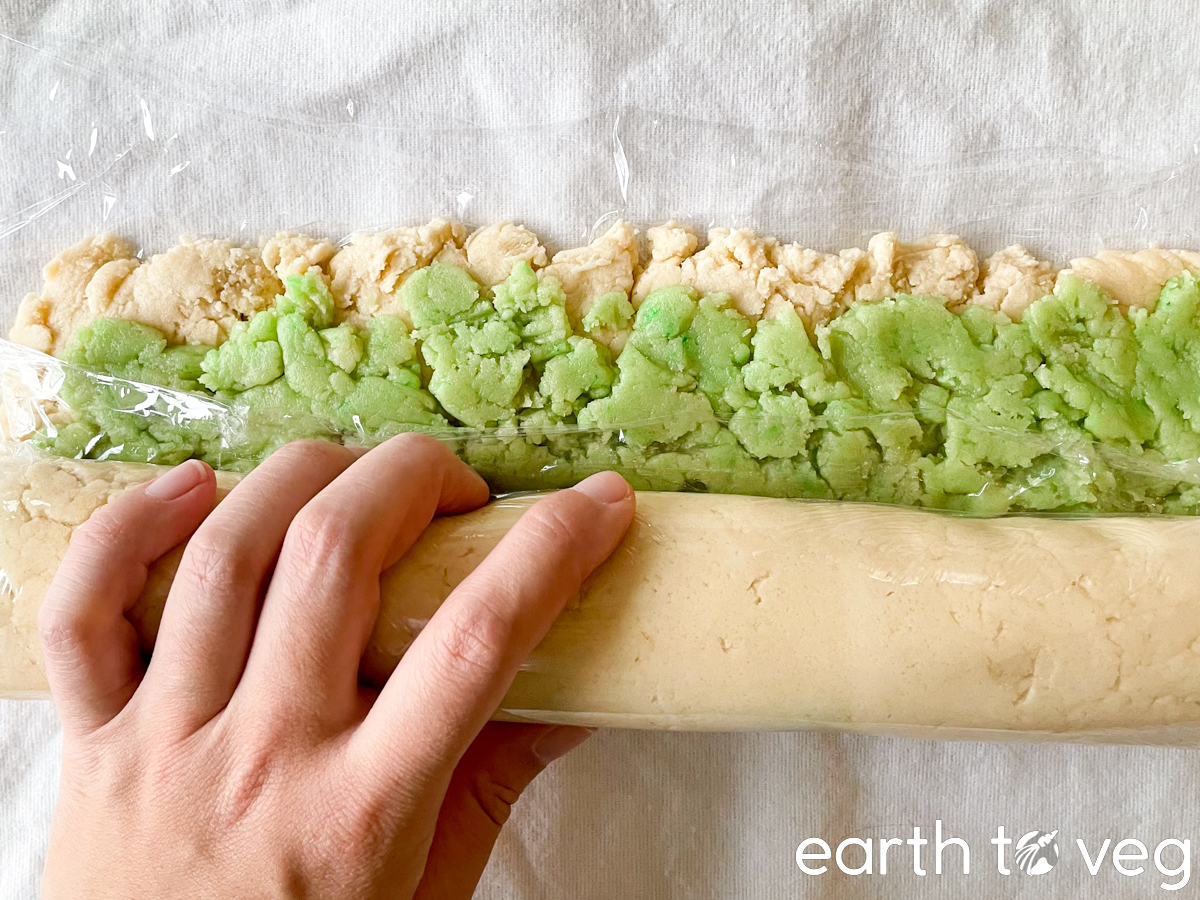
pixel 499 765
pixel 91 650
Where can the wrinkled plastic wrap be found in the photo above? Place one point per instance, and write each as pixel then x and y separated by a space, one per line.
pixel 1065 127
pixel 1063 434
pixel 127 160
pixel 730 606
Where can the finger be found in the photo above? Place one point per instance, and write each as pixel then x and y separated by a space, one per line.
pixel 208 623
pixel 454 675
pixel 324 596
pixel 492 775
pixel 92 659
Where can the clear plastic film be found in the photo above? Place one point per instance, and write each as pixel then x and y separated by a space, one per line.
pixel 788 615
pixel 1099 427
pixel 1080 406
pixel 830 615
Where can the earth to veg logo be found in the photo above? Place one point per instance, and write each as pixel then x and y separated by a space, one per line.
pixel 1037 852
pixel 1033 854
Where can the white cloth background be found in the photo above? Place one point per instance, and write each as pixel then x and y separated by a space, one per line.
pixel 1064 129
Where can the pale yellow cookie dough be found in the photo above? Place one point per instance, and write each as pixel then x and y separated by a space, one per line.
pixel 42 501
pixel 367 273
pixel 602 267
pixel 738 612
pixel 1133 279
pixel 725 612
pixel 196 291
pixel 1013 278
pixel 46 321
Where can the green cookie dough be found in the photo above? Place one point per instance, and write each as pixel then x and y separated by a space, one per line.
pixel 1079 406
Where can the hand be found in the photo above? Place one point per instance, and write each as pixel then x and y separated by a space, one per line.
pixel 246 760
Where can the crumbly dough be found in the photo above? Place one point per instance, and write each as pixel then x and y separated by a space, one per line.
pixel 737 262
pixel 940 265
pixel 602 267
pixel 669 244
pixel 194 293
pixel 1012 279
pixel 48 320
pixel 367 273
pixel 288 253
pixel 198 290
pixel 493 251
pixel 1134 279
pixel 708 617
pixel 815 283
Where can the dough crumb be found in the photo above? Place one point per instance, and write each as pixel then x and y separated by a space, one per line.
pixel 197 291
pixel 604 266
pixel 194 293
pixel 367 273
pixel 1013 278
pixel 815 283
pixel 491 252
pixel 737 262
pixel 289 253
pixel 940 265
pixel 1134 279
pixel 47 321
pixel 670 244
pixel 876 276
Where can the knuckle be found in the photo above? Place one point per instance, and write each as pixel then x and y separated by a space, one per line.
pixel 104 764
pixel 422 450
pixel 97 544
pixel 417 442
pixel 319 534
pixel 267 730
pixel 351 823
pixel 248 781
pixel 555 529
pixel 105 533
pixel 61 632
pixel 163 766
pixel 308 453
pixel 551 521
pixel 357 827
pixel 475 639
pixel 99 763
pixel 215 565
pixel 494 797
pixel 250 758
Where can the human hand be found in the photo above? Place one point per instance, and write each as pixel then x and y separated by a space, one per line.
pixel 246 760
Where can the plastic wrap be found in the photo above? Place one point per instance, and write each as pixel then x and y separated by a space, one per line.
pixel 730 612
pixel 802 614
pixel 115 156
pixel 723 610
pixel 1081 406
pixel 791 614
pixel 1064 127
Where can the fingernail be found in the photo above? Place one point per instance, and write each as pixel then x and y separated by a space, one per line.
pixel 557 741
pixel 607 487
pixel 177 482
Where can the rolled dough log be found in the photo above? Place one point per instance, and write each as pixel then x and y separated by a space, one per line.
pixel 725 612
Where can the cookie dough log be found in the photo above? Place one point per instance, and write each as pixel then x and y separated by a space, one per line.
pixel 42 501
pixel 725 612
